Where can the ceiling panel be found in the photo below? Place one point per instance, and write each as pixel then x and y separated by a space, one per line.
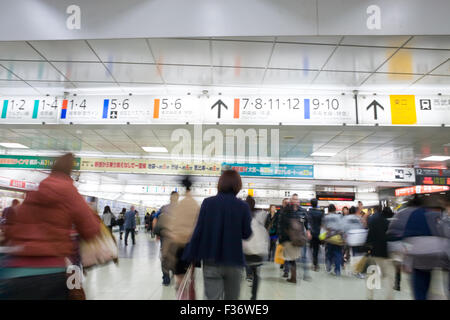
pixel 379 41
pixel 391 80
pixel 358 58
pixel 5 74
pixel 436 81
pixel 17 50
pixel 241 54
pixel 122 50
pixel 16 88
pixel 261 39
pixel 126 72
pixel 443 69
pixel 333 40
pixel 299 56
pixel 289 77
pixel 186 75
pixel 415 61
pixel 237 76
pixel 78 71
pixel 429 42
pixel 29 70
pixel 339 79
pixel 178 51
pixel 65 50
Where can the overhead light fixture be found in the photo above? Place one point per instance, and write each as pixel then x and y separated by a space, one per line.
pixel 13 145
pixel 436 158
pixel 323 154
pixel 155 149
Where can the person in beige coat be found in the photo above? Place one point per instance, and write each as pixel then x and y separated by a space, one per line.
pixel 180 225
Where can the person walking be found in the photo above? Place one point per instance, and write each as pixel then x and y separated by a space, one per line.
pixel 40 230
pixel 284 204
pixel 271 224
pixel 9 211
pixel 332 223
pixel 378 250
pixel 178 232
pixel 293 230
pixel 130 225
pixel 161 222
pixel 315 216
pixel 256 247
pixel 108 218
pixel 224 221
pixel 121 221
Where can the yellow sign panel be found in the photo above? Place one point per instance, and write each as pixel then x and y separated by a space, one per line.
pixel 251 192
pixel 403 109
pixel 147 166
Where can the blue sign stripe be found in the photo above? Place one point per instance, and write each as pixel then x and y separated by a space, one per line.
pixel 105 108
pixel 63 113
pixel 307 115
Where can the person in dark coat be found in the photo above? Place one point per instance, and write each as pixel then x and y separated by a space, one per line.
pixel 224 221
pixel 315 216
pixel 271 225
pixel 376 243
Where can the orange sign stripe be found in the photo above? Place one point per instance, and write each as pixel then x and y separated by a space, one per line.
pixel 156 109
pixel 236 108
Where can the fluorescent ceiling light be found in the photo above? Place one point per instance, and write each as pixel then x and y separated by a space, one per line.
pixel 13 145
pixel 436 158
pixel 155 149
pixel 323 154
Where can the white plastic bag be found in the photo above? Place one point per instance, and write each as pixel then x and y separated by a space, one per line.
pixel 258 243
pixel 356 237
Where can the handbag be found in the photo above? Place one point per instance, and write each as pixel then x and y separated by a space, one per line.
pixel 186 291
pixel 356 237
pixel 99 250
pixel 279 254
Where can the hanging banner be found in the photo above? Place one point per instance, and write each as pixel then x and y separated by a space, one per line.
pixel 146 166
pixel 363 173
pixel 404 110
pixel 31 162
pixel 271 170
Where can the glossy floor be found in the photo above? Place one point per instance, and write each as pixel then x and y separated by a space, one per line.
pixel 138 276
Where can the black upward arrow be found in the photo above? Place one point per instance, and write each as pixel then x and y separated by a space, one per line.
pixel 219 105
pixel 375 104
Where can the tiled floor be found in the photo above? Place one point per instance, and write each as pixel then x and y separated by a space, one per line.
pixel 138 276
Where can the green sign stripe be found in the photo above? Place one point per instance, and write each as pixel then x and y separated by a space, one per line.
pixel 35 109
pixel 5 109
pixel 31 162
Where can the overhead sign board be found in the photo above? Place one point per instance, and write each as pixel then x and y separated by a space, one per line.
pixel 31 162
pixel 401 192
pixel 404 109
pixel 364 173
pixel 426 176
pixel 148 166
pixel 271 170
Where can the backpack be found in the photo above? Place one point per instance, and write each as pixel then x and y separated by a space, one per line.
pixel 296 232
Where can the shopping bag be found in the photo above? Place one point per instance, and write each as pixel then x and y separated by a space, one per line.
pixel 186 291
pixel 99 250
pixel 279 254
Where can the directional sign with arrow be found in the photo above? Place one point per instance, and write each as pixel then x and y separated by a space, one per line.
pixel 219 105
pixel 408 173
pixel 375 104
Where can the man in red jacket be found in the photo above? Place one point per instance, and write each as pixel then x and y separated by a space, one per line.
pixel 40 232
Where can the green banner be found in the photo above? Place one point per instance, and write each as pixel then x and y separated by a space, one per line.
pixel 31 162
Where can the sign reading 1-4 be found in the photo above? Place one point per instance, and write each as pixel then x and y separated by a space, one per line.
pixel 26 109
pixel 281 109
pixel 109 109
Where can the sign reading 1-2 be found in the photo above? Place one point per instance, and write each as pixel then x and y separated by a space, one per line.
pixel 26 109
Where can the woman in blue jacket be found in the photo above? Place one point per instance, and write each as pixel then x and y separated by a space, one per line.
pixel 224 221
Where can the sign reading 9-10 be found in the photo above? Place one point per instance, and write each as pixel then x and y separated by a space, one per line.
pixel 179 110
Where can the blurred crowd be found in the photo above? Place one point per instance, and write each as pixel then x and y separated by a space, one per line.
pixel 227 237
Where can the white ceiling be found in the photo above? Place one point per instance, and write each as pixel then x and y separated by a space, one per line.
pixel 374 63
pixel 353 144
